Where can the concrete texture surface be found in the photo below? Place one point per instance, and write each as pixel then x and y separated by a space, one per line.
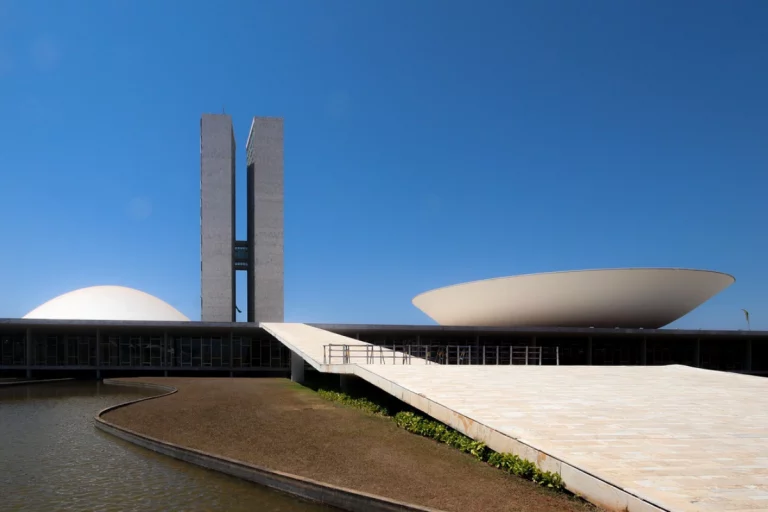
pixel 264 156
pixel 677 437
pixel 217 218
pixel 645 438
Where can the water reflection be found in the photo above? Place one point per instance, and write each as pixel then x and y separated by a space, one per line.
pixel 53 458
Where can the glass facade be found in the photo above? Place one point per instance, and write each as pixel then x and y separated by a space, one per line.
pixel 724 351
pixel 150 350
pixel 211 347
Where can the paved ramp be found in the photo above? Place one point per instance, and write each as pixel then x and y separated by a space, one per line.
pixel 638 438
pixel 309 343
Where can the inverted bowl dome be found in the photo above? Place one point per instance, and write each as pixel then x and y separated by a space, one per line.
pixel 632 298
pixel 107 303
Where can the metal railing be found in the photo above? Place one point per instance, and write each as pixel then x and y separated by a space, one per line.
pixel 440 354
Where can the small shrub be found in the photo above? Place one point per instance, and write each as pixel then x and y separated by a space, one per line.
pixel 358 403
pixel 425 427
pixel 507 462
pixel 549 479
pixel 439 432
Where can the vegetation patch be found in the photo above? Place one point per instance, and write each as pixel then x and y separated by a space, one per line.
pixel 359 403
pixel 439 432
pixel 427 427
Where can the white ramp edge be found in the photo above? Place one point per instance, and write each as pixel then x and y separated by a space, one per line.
pixel 307 342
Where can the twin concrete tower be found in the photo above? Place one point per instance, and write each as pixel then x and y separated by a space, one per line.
pixel 261 254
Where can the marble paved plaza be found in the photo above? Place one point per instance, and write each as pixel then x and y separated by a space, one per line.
pixel 679 438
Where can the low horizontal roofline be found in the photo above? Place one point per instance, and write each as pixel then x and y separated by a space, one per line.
pixel 24 323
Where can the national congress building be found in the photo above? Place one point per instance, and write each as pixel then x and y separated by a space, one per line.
pixel 593 317
pixel 261 254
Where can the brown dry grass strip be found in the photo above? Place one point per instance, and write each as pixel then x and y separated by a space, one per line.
pixel 276 424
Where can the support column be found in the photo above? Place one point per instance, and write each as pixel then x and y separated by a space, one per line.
pixel 164 359
pixel 346 382
pixel 297 368
pixel 231 353
pixel 166 354
pixel 697 354
pixel 748 357
pixel 171 352
pixel 98 354
pixel 589 351
pixel 30 352
pixel 644 352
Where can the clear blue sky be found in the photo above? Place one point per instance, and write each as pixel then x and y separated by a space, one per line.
pixel 428 142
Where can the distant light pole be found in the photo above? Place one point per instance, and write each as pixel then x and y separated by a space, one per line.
pixel 746 316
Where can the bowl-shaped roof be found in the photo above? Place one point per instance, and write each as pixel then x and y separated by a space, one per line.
pixel 630 297
pixel 107 303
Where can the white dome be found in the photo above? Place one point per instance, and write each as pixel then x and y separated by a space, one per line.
pixel 107 303
pixel 627 297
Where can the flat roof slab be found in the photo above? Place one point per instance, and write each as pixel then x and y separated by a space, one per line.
pixel 676 437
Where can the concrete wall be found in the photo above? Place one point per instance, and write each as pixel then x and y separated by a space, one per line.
pixel 265 220
pixel 217 218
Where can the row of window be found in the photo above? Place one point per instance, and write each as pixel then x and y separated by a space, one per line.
pixel 147 351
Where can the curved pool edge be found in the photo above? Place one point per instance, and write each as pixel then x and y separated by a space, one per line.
pixel 33 381
pixel 305 488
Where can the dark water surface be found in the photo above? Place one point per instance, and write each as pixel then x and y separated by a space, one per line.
pixel 52 458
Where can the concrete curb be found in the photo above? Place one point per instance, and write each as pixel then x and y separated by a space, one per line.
pixel 30 382
pixel 312 490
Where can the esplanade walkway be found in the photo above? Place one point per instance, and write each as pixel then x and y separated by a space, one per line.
pixel 637 438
